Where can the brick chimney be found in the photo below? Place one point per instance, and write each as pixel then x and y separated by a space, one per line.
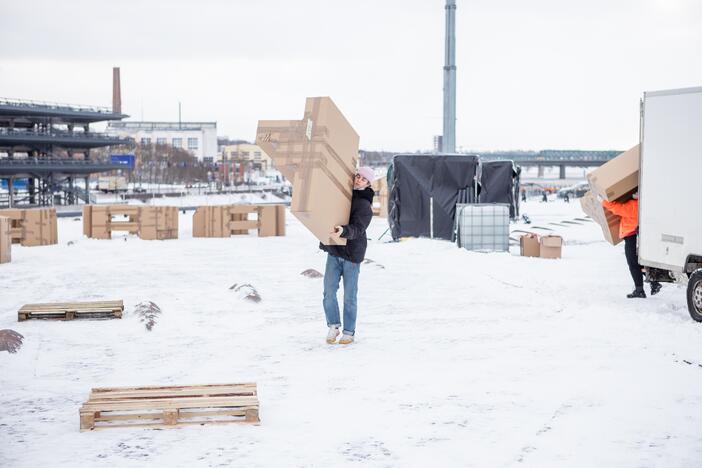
pixel 116 92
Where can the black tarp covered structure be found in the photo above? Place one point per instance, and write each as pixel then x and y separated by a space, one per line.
pixel 418 182
pixel 499 183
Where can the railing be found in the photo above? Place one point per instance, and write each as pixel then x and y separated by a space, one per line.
pixel 54 162
pixel 61 134
pixel 54 106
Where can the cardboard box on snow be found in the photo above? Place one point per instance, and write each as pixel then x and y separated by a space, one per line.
pixel 618 177
pixel 529 245
pixel 608 221
pixel 225 220
pixel 550 246
pixel 318 154
pixel 158 223
pixel 33 226
pixel 5 240
pixel 148 222
pixel 271 220
pixel 380 201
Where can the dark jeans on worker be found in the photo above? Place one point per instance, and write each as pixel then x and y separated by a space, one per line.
pixel 337 268
pixel 632 259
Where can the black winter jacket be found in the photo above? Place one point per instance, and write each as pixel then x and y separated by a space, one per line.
pixel 355 231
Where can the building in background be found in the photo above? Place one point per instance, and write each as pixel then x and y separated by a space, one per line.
pixel 247 154
pixel 241 162
pixel 199 138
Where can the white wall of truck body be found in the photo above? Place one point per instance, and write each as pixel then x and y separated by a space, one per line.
pixel 670 183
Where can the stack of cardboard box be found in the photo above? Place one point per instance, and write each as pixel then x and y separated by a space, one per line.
pixel 319 155
pixel 380 202
pixel 533 245
pixel 615 180
pixel 148 222
pixel 227 220
pixel 158 223
pixel 5 240
pixel 32 226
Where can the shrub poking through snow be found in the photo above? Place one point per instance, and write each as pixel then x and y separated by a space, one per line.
pixel 246 291
pixel 10 341
pixel 311 273
pixel 147 312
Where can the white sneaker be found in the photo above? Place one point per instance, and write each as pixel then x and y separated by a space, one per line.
pixel 346 339
pixel 333 333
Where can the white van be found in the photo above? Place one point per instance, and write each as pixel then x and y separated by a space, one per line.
pixel 670 190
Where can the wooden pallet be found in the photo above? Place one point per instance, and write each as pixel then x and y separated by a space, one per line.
pixel 71 310
pixel 170 406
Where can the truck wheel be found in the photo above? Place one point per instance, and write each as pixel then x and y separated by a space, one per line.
pixel 694 296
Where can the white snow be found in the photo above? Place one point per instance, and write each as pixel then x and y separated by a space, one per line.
pixel 461 359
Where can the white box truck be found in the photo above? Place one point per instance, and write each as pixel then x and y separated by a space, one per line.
pixel 670 190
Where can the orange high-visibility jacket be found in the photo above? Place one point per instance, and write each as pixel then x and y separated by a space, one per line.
pixel 629 212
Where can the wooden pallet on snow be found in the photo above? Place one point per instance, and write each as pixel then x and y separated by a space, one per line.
pixel 71 310
pixel 170 406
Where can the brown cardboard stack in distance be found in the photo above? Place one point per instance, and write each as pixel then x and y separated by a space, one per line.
pixel 148 222
pixel 207 222
pixel 529 245
pixel 380 201
pixel 319 155
pixel 5 240
pixel 158 222
pixel 98 222
pixel 608 221
pixel 550 246
pixel 227 220
pixel 271 220
pixel 33 226
pixel 618 177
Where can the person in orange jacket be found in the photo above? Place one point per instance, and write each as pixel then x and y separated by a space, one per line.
pixel 629 231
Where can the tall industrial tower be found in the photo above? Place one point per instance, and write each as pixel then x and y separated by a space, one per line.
pixel 448 142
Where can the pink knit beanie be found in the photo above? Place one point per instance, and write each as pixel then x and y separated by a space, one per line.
pixel 367 172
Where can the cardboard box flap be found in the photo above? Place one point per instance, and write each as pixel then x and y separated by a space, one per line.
pixel 608 221
pixel 551 241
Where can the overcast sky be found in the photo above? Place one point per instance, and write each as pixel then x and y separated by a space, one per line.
pixel 531 74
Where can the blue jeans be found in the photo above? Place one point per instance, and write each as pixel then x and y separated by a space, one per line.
pixel 336 268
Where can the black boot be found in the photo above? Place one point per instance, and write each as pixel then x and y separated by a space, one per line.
pixel 655 287
pixel 638 292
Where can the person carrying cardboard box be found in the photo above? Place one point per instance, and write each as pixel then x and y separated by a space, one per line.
pixel 628 230
pixel 345 260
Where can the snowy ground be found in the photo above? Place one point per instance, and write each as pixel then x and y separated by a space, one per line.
pixel 462 359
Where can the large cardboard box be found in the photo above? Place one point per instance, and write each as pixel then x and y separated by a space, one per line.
pixel 550 246
pixel 5 240
pixel 227 220
pixel 380 202
pixel 33 226
pixel 271 220
pixel 149 222
pixel 207 222
pixel 618 177
pixel 319 155
pixel 608 221
pixel 158 222
pixel 529 245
